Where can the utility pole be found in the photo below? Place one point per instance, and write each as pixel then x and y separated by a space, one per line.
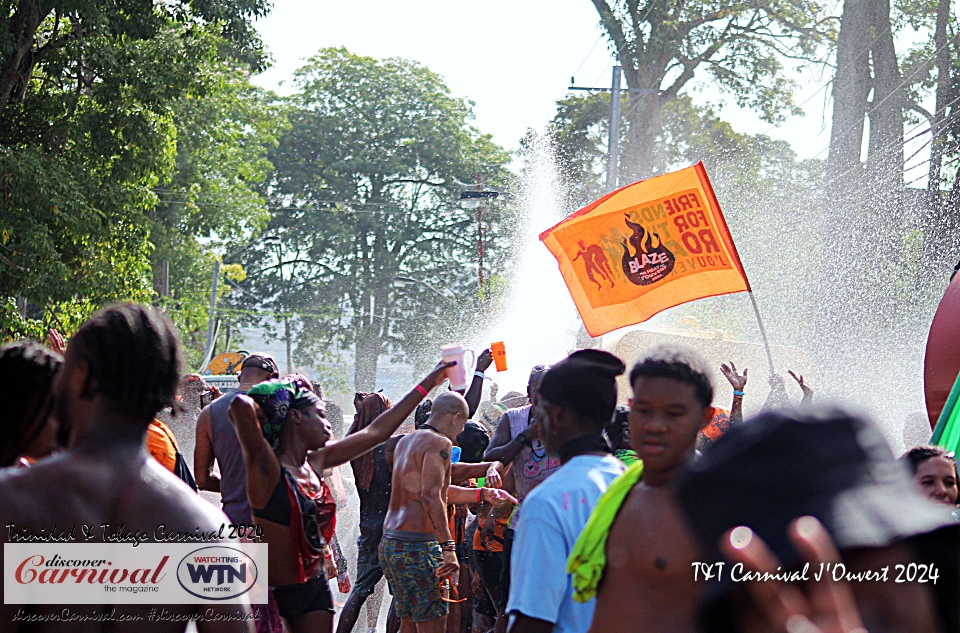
pixel 213 311
pixel 613 146
pixel 480 235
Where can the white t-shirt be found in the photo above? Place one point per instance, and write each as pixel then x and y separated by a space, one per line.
pixel 554 514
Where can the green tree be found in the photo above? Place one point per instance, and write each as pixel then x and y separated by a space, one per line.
pixel 742 45
pixel 224 131
pixel 365 189
pixel 93 128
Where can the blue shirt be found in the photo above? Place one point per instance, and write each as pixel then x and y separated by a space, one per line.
pixel 554 514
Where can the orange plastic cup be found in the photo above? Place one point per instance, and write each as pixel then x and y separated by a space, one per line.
pixel 499 356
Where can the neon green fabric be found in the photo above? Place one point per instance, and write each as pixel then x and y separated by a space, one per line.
pixel 625 455
pixel 589 556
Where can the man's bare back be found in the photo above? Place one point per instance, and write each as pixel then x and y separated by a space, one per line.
pixel 648 584
pixel 421 461
pixel 129 491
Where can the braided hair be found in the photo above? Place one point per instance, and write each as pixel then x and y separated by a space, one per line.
pixel 27 370
pixel 134 358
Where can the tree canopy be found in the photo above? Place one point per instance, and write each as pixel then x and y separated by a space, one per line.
pixel 365 189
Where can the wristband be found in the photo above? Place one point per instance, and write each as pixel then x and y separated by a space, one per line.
pixel 449 544
pixel 419 389
pixel 479 495
pixel 737 392
pixel 479 374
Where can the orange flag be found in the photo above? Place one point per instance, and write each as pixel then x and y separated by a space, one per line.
pixel 644 248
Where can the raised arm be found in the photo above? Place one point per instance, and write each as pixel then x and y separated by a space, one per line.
pixel 203 455
pixel 503 447
pixel 738 382
pixel 804 387
pixel 476 386
pixel 263 467
pixel 352 446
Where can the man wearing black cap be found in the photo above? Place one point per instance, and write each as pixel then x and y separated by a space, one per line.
pixel 217 440
pixel 647 583
pixel 577 399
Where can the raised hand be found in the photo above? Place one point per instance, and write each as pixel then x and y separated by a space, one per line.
pixel 56 342
pixel 737 381
pixel 242 409
pixel 828 607
pixel 436 377
pixel 484 360
pixel 804 387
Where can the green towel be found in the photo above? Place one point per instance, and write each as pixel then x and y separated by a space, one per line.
pixel 589 556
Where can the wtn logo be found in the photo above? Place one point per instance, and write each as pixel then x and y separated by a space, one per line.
pixel 225 573
pixel 217 573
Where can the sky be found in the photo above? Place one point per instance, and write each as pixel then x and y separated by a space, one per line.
pixel 512 58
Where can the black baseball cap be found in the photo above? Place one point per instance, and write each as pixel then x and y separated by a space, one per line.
pixel 261 361
pixel 585 381
pixel 825 462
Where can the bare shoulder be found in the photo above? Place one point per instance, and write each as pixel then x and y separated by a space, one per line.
pixel 166 499
pixel 419 443
pixel 203 420
pixel 17 496
pixel 66 490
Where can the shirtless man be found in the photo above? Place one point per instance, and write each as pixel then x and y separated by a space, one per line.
pixel 122 366
pixel 417 550
pixel 647 585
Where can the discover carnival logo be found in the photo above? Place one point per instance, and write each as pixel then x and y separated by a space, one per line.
pixel 112 573
pixel 217 573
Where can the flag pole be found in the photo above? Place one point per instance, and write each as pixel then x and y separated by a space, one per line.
pixel 763 331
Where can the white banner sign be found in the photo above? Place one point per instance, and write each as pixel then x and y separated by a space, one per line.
pixel 151 573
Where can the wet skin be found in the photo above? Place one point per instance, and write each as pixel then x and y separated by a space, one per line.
pixel 648 584
pixel 105 477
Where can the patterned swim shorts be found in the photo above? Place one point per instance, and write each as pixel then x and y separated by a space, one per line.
pixel 411 571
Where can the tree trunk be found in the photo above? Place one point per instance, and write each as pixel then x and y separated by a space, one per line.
pixel 23 27
pixel 367 354
pixel 289 344
pixel 837 302
pixel 851 85
pixel 885 152
pixel 643 126
pixel 941 44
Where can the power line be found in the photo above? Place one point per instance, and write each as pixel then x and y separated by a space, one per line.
pixel 587 56
pixel 903 83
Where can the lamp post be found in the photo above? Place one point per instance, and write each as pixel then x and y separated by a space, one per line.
pixel 478 199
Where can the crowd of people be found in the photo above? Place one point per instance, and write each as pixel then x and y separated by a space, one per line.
pixel 557 510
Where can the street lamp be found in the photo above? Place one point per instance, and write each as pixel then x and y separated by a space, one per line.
pixel 478 198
